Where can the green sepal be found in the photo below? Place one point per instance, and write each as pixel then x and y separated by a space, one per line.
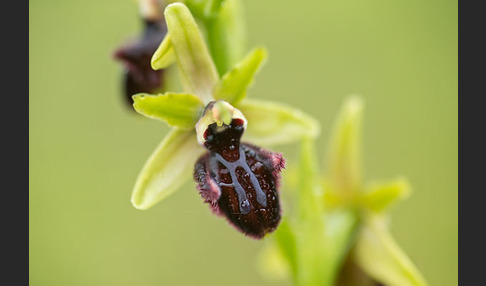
pixel 177 109
pixel 271 123
pixel 232 87
pixel 164 56
pixel 198 73
pixel 169 166
pixel 377 253
pixel 380 197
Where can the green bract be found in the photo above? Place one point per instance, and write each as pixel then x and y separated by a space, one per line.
pixel 172 162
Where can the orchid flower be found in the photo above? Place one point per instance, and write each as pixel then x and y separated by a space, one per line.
pixel 238 180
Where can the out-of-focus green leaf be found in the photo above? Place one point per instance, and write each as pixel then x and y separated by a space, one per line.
pixel 271 123
pixel 169 166
pixel 377 253
pixel 232 87
pixel 381 197
pixel 177 109
pixel 198 73
pixel 164 56
pixel 344 157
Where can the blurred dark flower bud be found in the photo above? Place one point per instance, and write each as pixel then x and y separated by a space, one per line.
pixel 139 77
pixel 239 180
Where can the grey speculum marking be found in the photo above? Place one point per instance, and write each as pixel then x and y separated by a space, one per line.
pixel 242 199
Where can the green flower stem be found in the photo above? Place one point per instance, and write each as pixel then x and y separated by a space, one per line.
pixel 313 256
pixel 323 238
pixel 225 31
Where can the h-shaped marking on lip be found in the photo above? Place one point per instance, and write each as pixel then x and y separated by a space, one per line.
pixel 241 162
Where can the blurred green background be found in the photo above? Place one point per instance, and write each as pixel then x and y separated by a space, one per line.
pixel 86 146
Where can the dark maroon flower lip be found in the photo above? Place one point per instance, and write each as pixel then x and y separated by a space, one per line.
pixel 139 77
pixel 240 181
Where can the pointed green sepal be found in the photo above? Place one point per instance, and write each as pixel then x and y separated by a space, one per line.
pixel 380 197
pixel 344 156
pixel 271 123
pixel 169 166
pixel 196 66
pixel 232 87
pixel 377 253
pixel 164 56
pixel 177 109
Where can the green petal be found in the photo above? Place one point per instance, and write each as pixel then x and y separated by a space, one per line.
pixel 177 109
pixel 380 257
pixel 169 166
pixel 197 69
pixel 381 197
pixel 232 87
pixel 164 56
pixel 344 157
pixel 271 123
